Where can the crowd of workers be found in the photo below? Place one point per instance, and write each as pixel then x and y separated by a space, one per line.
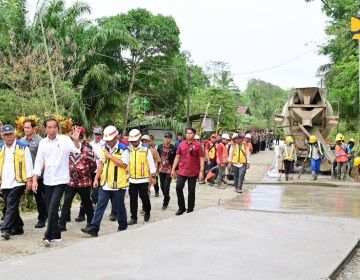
pixel 103 169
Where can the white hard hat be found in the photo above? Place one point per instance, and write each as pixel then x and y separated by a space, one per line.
pixel 134 135
pixel 225 136
pixel 197 137
pixel 248 135
pixel 110 133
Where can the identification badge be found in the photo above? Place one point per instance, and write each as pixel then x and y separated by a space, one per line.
pixel 164 162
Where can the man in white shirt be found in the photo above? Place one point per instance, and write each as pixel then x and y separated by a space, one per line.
pixel 16 169
pixel 53 155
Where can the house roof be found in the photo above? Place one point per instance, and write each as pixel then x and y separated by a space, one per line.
pixel 241 110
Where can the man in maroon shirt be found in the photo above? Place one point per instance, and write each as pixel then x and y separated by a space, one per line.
pixel 190 158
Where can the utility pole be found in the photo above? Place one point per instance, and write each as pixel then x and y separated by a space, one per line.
pixel 188 101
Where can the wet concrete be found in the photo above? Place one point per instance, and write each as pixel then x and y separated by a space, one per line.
pixel 214 243
pixel 302 199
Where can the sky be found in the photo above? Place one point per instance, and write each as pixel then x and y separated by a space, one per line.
pixel 250 35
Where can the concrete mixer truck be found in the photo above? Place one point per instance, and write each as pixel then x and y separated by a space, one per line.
pixel 306 113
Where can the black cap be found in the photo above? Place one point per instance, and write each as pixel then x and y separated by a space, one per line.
pixel 7 129
pixel 168 135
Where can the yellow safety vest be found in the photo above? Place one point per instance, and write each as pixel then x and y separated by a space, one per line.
pixel 212 150
pixel 239 154
pixel 319 149
pixel 117 177
pixel 291 156
pixel 139 167
pixel 20 168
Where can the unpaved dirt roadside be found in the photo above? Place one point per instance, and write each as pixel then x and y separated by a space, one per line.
pixel 30 242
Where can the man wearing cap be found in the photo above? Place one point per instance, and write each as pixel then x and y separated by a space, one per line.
pixel 32 140
pixel 96 146
pixel 239 161
pixel 247 142
pixel 142 172
pixel 352 154
pixel 82 165
pixel 190 158
pixel 210 152
pixel 113 171
pixel 167 152
pixel 16 169
pixel 53 158
pixel 222 160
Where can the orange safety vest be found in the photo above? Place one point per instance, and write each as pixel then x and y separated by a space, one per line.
pixel 224 157
pixel 341 154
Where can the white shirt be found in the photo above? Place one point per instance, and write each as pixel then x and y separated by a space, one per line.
pixel 97 146
pixel 125 158
pixel 151 164
pixel 54 154
pixel 231 152
pixel 8 171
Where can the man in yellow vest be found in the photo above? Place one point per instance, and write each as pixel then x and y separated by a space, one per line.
pixel 16 168
pixel 113 172
pixel 210 154
pixel 289 156
pixel 142 171
pixel 239 161
pixel 316 153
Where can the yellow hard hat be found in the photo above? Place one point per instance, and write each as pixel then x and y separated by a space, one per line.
pixel 338 138
pixel 357 161
pixel 352 140
pixel 312 139
pixel 235 135
pixel 289 139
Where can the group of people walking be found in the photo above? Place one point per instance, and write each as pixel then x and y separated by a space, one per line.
pixel 66 165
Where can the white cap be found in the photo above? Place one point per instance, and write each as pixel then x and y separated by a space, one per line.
pixel 248 135
pixel 197 137
pixel 134 135
pixel 145 137
pixel 225 136
pixel 110 133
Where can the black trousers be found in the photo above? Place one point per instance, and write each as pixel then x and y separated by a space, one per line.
pixel 156 186
pixel 12 220
pixel 289 166
pixel 141 190
pixel 40 201
pixel 84 193
pixel 53 195
pixel 180 184
pixel 165 181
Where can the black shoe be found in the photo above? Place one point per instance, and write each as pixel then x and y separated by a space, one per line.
pixel 164 207
pixel 40 224
pixel 17 232
pixel 113 218
pixel 68 219
pixel 80 219
pixel 90 231
pixel 45 241
pixel 180 212
pixel 62 227
pixel 156 194
pixel 6 235
pixel 132 222
pixel 189 211
pixel 121 229
pixel 147 217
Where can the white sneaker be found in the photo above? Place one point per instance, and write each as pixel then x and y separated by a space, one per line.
pixel 56 240
pixel 46 241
